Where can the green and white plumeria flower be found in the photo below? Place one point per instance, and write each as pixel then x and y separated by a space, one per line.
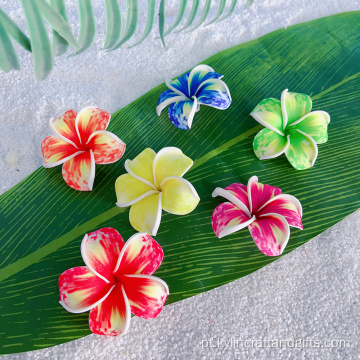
pixel 291 128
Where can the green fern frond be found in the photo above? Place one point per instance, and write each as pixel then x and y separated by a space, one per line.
pixel 117 34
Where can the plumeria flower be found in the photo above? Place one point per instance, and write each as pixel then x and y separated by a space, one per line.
pixel 201 85
pixel 154 182
pixel 263 209
pixel 80 141
pixel 290 128
pixel 116 281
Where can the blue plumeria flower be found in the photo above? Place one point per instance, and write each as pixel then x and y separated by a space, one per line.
pixel 201 85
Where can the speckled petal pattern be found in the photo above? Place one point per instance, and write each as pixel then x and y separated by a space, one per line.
pixel 181 114
pixel 140 255
pixel 81 290
pixel 271 234
pixel 302 151
pixel 268 144
pixel 79 172
pixel 147 294
pixel 214 93
pixel 227 218
pixel 106 146
pixel 268 113
pixel 89 120
pixel 112 316
pixel 100 251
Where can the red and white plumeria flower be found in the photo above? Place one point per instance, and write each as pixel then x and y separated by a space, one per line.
pixel 116 281
pixel 80 141
pixel 263 209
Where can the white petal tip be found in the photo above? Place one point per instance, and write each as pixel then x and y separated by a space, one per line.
pixel 215 192
pixel 121 205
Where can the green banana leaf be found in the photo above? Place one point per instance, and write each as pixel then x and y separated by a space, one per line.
pixel 43 220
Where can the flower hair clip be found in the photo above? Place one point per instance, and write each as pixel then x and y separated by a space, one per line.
pixel 116 281
pixel 154 182
pixel 200 86
pixel 79 142
pixel 263 209
pixel 291 128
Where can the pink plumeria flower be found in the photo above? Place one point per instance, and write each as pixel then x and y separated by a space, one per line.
pixel 263 209
pixel 80 141
pixel 116 281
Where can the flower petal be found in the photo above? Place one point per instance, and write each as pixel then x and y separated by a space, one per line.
pixel 112 316
pixel 89 120
pixel 147 294
pixel 227 218
pixel 79 172
pixel 170 161
pixel 140 255
pixel 268 144
pixel 214 93
pixel 294 106
pixel 56 151
pixel 271 234
pixel 182 113
pixel 100 251
pixel 106 146
pixel 240 192
pixel 165 95
pixel 314 124
pixel 145 215
pixel 166 98
pixel 198 75
pixel 302 151
pixel 141 167
pixel 64 127
pixel 179 197
pixel 80 289
pixel 130 190
pixel 179 85
pixel 268 113
pixel 237 200
pixel 259 194
pixel 286 205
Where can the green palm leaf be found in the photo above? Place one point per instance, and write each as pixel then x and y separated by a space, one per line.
pixel 59 44
pixel 113 23
pixel 8 57
pixel 62 36
pixel 40 44
pixel 230 11
pixel 219 12
pixel 131 23
pixel 162 21
pixel 150 19
pixel 43 220
pixel 13 31
pixel 204 15
pixel 179 16
pixel 192 15
pixel 87 26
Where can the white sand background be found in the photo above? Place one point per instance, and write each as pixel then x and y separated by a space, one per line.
pixel 312 293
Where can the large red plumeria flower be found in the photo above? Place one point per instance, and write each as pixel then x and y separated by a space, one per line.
pixel 263 209
pixel 80 141
pixel 116 281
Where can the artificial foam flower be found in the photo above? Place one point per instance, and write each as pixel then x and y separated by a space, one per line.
pixel 80 141
pixel 154 182
pixel 260 207
pixel 290 128
pixel 116 281
pixel 201 85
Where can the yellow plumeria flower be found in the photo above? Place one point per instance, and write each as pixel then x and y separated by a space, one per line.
pixel 154 183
